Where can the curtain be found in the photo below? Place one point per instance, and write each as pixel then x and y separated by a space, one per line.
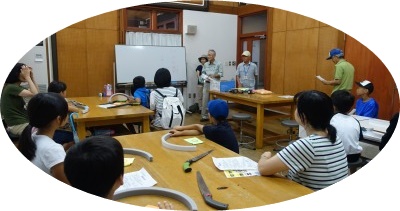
pixel 155 39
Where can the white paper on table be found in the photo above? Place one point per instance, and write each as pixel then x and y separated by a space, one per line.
pixel 235 163
pixel 106 105
pixel 286 96
pixel 320 78
pixel 137 179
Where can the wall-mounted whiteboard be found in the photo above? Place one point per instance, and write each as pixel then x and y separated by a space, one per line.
pixel 132 61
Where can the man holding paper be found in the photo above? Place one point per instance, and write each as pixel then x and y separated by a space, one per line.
pixel 212 70
pixel 344 72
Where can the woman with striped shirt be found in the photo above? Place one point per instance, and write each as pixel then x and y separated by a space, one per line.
pixel 318 160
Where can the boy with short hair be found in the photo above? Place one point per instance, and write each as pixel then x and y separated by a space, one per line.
pixel 347 127
pixel 220 131
pixel 96 166
pixel 366 105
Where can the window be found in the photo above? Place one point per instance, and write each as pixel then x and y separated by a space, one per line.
pixel 151 19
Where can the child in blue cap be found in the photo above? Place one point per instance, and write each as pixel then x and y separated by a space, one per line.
pixel 219 132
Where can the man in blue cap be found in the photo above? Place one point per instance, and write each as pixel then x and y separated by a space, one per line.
pixel 219 132
pixel 344 71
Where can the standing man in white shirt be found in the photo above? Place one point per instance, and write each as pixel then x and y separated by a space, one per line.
pixel 212 70
pixel 247 72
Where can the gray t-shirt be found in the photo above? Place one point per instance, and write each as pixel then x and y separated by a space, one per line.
pixel 247 74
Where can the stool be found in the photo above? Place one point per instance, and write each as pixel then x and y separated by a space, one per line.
pixel 291 124
pixel 353 166
pixel 244 141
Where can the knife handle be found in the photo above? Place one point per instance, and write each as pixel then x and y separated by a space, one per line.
pixel 186 167
pixel 215 204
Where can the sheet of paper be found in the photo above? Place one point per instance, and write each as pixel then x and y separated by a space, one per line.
pixel 128 161
pixel 137 179
pixel 235 163
pixel 106 105
pixel 241 173
pixel 286 96
pixel 320 78
pixel 194 140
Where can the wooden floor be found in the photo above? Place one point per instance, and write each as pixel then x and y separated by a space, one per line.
pixel 272 126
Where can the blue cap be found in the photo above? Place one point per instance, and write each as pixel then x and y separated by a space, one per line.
pixel 218 109
pixel 335 52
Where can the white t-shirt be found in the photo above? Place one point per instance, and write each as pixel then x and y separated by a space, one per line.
pixel 48 153
pixel 348 131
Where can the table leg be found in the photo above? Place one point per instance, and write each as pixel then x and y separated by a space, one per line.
pixel 211 97
pixel 146 124
pixel 260 126
pixel 81 130
pixel 292 109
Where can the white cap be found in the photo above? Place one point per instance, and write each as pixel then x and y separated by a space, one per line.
pixel 246 53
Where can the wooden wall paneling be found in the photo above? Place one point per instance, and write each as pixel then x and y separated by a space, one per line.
pixel 301 60
pixel 78 25
pixel 108 20
pixel 279 20
pixel 100 58
pixel 296 21
pixel 278 62
pixel 328 37
pixel 384 88
pixel 72 60
pixel 369 67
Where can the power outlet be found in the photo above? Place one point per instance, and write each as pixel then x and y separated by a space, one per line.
pixel 230 63
pixel 190 95
pixel 233 63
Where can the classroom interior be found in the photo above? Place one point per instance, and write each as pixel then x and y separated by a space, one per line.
pixel 290 49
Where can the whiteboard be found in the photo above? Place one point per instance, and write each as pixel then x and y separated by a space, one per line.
pixel 132 61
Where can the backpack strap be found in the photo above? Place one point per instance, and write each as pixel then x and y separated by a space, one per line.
pixel 361 136
pixel 160 93
pixel 163 96
pixel 179 109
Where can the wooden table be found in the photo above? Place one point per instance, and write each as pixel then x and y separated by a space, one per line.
pixel 167 170
pixel 100 116
pixel 375 129
pixel 260 102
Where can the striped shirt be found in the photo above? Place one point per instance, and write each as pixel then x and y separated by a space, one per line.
pixel 156 102
pixel 315 162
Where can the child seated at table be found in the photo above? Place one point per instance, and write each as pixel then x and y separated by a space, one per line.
pixel 46 113
pixel 219 132
pixel 139 91
pixel 366 105
pixel 318 160
pixel 348 128
pixel 63 135
pixel 162 79
pixel 96 166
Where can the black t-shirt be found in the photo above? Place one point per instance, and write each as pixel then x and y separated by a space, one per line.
pixel 389 131
pixel 199 68
pixel 222 134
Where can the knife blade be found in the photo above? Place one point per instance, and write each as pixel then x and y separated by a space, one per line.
pixel 186 165
pixel 205 192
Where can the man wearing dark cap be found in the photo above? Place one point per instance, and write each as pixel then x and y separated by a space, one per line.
pixel 344 71
pixel 219 132
pixel 366 105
